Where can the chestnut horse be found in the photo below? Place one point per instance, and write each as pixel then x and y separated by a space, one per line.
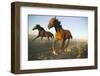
pixel 42 32
pixel 60 35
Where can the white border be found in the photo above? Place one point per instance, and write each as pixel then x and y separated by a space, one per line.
pixel 25 64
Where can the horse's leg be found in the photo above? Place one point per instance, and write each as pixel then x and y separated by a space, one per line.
pixel 48 38
pixel 41 38
pixel 53 47
pixel 62 45
pixel 35 38
pixel 66 46
pixel 52 37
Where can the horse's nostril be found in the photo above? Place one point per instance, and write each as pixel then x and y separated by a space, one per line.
pixel 33 29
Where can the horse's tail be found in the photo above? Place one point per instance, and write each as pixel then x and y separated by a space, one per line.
pixel 52 36
pixel 71 36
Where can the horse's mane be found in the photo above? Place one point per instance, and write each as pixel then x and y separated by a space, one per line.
pixel 59 23
pixel 41 28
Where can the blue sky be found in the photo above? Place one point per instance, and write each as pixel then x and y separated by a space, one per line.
pixel 77 25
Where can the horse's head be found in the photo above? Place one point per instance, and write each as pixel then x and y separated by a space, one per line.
pixel 36 27
pixel 52 22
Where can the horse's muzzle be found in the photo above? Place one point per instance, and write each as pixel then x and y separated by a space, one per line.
pixel 33 29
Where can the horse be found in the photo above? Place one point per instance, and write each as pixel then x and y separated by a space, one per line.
pixel 60 35
pixel 42 32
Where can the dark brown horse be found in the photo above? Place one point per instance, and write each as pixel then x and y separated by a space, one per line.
pixel 42 32
pixel 60 35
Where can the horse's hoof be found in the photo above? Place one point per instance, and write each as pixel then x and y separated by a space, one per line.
pixel 60 51
pixel 78 56
pixel 65 50
pixel 54 53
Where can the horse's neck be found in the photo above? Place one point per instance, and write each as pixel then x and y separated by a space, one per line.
pixel 40 29
pixel 58 28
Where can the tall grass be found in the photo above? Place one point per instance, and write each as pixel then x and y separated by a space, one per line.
pixel 42 49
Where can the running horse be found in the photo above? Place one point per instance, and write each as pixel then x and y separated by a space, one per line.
pixel 42 32
pixel 60 35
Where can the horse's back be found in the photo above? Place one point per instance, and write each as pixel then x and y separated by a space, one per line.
pixel 42 33
pixel 68 34
pixel 50 34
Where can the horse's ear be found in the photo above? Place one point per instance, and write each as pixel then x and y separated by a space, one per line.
pixel 54 17
pixel 38 25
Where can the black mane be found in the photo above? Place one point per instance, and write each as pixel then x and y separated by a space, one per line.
pixel 58 26
pixel 41 28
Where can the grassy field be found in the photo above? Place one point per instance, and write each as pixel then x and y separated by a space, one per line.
pixel 41 50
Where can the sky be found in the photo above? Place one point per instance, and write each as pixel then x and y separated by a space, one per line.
pixel 77 25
